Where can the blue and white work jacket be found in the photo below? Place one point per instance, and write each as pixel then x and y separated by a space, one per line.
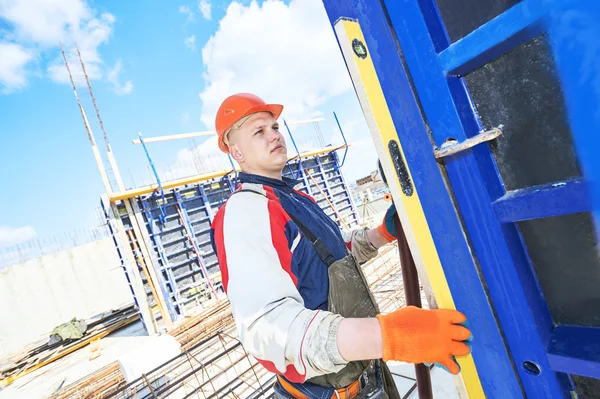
pixel 275 281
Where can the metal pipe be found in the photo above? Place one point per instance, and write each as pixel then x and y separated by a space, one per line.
pixel 343 137
pixel 299 170
pixel 410 278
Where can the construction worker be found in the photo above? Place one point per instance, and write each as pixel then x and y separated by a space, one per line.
pixel 300 302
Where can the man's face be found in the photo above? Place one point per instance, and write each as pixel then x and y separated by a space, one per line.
pixel 258 146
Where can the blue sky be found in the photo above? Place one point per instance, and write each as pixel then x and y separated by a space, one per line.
pixel 160 69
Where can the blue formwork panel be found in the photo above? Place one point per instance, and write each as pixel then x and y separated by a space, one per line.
pixel 321 178
pixel 177 228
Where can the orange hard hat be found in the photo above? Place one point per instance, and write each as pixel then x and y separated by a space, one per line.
pixel 239 106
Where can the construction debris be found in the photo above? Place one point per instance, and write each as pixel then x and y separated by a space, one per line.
pixel 42 353
pixel 213 363
pixel 74 329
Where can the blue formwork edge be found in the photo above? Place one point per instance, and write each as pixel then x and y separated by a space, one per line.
pixel 491 356
pixel 574 37
pixel 109 220
pixel 510 283
pixel 175 309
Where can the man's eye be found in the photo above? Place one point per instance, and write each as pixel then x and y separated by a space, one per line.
pixel 276 127
pixel 258 131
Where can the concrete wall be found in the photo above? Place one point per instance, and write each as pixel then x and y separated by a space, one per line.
pixel 38 295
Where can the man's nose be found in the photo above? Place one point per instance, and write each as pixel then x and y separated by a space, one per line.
pixel 274 135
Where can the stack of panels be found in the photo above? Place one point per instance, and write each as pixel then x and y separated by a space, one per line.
pixel 178 228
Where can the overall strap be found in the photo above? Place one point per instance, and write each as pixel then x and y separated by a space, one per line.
pixel 315 241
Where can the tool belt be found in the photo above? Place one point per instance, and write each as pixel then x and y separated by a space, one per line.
pixel 351 391
pixel 369 385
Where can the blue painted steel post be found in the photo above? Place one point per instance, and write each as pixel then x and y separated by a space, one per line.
pixel 575 40
pixel 498 247
pixel 299 170
pixel 174 309
pixel 234 171
pixel 162 192
pixel 343 137
pixel 207 206
pixel 336 167
pixel 491 355
pixel 117 242
pixel 194 242
pixel 324 177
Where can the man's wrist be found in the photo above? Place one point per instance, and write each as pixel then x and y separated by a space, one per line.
pixel 375 239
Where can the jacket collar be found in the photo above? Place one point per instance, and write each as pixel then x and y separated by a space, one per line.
pixel 286 184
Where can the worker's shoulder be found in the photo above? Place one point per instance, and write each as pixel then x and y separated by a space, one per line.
pixel 249 198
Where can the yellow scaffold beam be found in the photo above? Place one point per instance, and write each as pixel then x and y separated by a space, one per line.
pixel 203 177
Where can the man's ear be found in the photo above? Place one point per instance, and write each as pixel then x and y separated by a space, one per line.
pixel 235 153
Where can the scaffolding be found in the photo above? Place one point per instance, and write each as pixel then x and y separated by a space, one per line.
pixel 161 231
pixel 174 223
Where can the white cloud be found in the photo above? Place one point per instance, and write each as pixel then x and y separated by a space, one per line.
pixel 205 9
pixel 361 158
pixel 190 42
pixel 203 158
pixel 88 36
pixel 13 236
pixel 114 79
pixel 283 53
pixel 188 12
pixel 39 26
pixel 13 61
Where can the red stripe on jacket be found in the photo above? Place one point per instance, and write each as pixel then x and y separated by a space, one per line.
pixel 278 219
pixel 217 226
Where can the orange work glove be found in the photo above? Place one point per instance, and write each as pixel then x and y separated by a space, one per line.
pixel 416 335
pixel 387 229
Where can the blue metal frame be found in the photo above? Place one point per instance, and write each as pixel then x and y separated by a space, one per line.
pixel 188 222
pixel 107 211
pixel 160 187
pixel 497 375
pixel 233 168
pixel 575 350
pixel 505 32
pixel 505 266
pixel 324 177
pixel 207 206
pixel 299 170
pixel 343 138
pixel 474 177
pixel 174 308
pixel 566 197
pixel 578 64
pixel 575 39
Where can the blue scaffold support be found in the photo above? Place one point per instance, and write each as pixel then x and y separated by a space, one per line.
pixel 174 309
pixel 110 224
pixel 235 173
pixel 205 200
pixel 299 168
pixel 163 214
pixel 578 63
pixel 343 137
pixel 196 248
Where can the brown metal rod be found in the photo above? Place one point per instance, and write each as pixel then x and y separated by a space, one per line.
pixel 412 291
